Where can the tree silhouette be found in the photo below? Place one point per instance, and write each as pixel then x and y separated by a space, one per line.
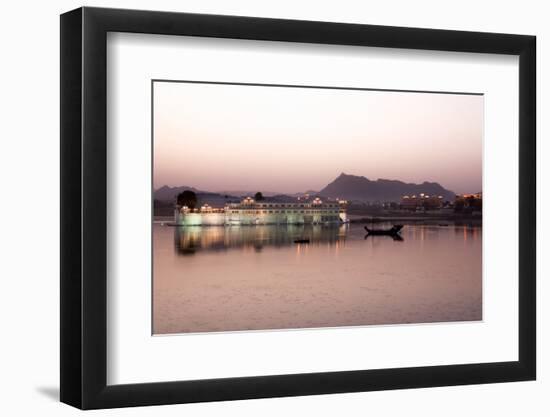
pixel 187 198
pixel 258 196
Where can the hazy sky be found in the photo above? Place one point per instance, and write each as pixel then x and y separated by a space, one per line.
pixel 232 137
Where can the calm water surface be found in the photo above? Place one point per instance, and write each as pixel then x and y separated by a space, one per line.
pixel 209 279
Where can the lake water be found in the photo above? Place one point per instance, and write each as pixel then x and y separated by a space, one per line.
pixel 210 279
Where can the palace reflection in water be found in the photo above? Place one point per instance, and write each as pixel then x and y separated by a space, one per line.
pixel 189 240
pixel 231 278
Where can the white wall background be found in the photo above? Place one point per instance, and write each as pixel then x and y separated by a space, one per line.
pixel 29 180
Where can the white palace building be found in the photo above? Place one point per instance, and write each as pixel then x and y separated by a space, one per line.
pixel 252 212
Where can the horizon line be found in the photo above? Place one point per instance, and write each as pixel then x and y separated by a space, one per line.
pixel 341 174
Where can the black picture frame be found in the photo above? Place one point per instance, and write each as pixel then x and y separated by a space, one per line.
pixel 84 208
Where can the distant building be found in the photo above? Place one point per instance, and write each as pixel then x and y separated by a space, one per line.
pixel 252 212
pixel 421 202
pixel 472 203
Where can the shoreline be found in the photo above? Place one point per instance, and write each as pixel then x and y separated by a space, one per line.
pixel 429 219
pixel 405 220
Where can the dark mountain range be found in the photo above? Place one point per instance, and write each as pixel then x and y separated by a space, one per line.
pixel 349 187
pixel 247 193
pixel 166 193
pixel 167 196
pixel 355 188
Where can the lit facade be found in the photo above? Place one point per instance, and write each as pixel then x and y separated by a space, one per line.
pixel 472 202
pixel 421 202
pixel 252 212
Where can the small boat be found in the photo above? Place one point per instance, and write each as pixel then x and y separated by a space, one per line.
pixel 393 231
pixel 301 240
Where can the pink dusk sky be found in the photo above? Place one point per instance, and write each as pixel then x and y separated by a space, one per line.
pixel 280 139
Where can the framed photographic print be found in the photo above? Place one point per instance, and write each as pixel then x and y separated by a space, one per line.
pixel 256 208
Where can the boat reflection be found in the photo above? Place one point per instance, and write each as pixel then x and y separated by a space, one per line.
pixel 192 239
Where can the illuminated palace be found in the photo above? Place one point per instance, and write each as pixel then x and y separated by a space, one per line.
pixel 252 212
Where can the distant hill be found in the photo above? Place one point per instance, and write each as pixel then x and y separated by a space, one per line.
pixel 166 193
pixel 243 193
pixel 349 187
pixel 167 196
pixel 355 188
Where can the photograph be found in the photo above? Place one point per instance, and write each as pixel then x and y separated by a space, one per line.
pixel 304 207
pixel 270 204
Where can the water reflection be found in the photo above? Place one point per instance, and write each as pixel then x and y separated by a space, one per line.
pixel 189 240
pixel 192 239
pixel 257 278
